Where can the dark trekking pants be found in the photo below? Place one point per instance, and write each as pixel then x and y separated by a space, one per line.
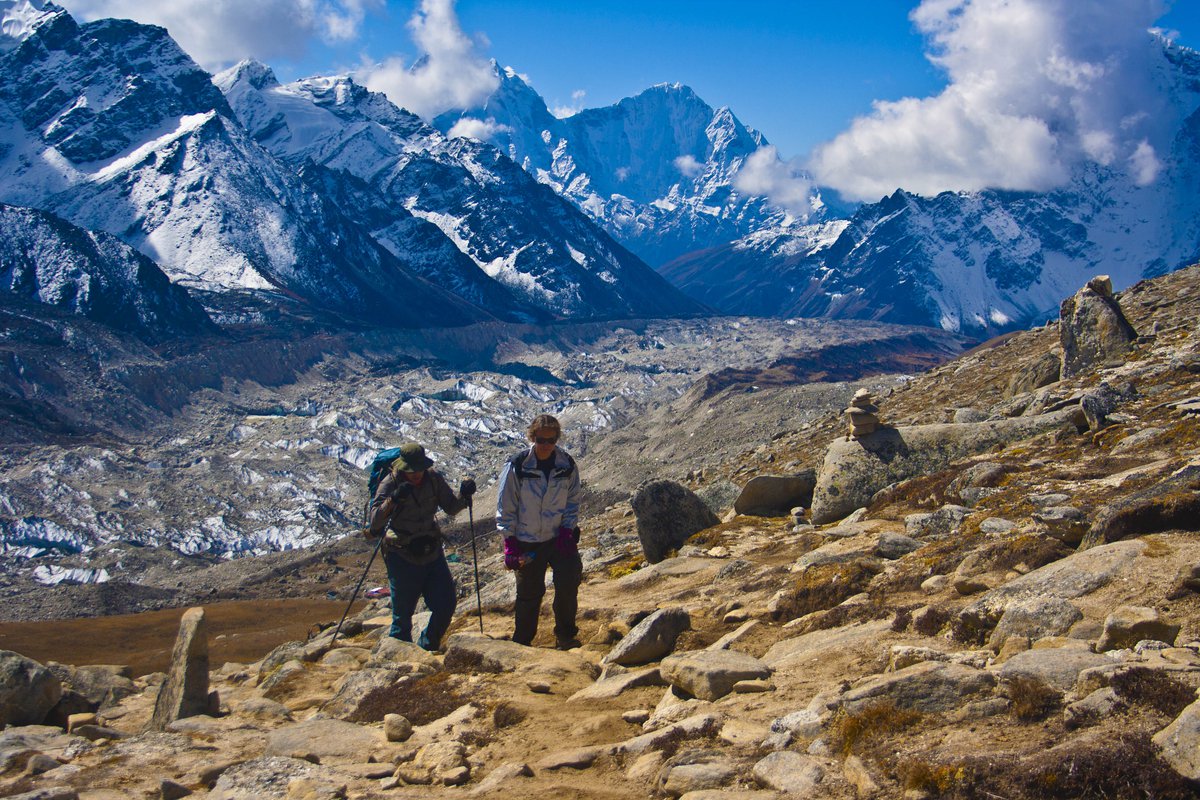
pixel 531 587
pixel 410 582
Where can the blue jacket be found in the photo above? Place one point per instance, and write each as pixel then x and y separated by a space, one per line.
pixel 532 508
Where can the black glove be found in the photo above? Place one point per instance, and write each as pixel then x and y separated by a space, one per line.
pixel 402 492
pixel 466 488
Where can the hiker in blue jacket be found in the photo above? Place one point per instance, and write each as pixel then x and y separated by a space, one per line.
pixel 402 511
pixel 537 513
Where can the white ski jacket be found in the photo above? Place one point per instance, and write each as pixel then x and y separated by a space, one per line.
pixel 532 508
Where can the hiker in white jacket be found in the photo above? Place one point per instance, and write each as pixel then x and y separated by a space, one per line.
pixel 537 513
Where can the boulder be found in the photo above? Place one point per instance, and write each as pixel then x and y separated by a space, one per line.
pixel 1093 330
pixel 393 651
pixel 894 545
pixel 327 739
pixel 472 652
pixel 1179 742
pixel 1045 370
pixel 1129 625
pixel 696 726
pixel 696 770
pixel 1172 503
pixel 1065 523
pixel 27 690
pixel 776 495
pixel 711 674
pixel 936 525
pixel 853 471
pixel 651 639
pixel 1058 667
pixel 265 778
pixel 931 686
pixel 1034 618
pixel 1076 575
pixel 359 688
pixel 184 693
pixel 1104 399
pixel 668 514
pixel 794 774
pixel 616 685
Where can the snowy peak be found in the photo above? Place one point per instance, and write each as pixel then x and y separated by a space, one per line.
pixel 253 74
pixel 20 18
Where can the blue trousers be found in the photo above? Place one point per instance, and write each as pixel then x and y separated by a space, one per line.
pixel 408 583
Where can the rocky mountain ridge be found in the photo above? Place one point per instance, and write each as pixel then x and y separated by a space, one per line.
pixel 1023 621
pixel 111 126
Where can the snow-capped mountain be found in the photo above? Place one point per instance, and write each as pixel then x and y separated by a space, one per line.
pixel 114 128
pixel 521 238
pixel 656 170
pixel 978 262
pixel 45 259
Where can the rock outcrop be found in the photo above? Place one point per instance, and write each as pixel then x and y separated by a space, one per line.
pixel 667 515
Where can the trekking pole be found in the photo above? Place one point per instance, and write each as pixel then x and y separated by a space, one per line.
pixel 356 588
pixel 475 559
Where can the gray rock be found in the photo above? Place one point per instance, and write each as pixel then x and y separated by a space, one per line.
pixel 100 686
pixel 853 471
pixel 573 758
pixel 807 723
pixel 445 762
pixel 506 772
pixel 1128 625
pixel 1058 667
pixel 1093 330
pixel 393 651
pixel 471 652
pixel 996 526
pixel 930 686
pixel 667 515
pixel 937 525
pixel 327 739
pixel 1035 618
pixel 776 495
pixel 1180 742
pixel 651 639
pixel 27 690
pixel 1099 705
pixel 695 770
pixel 694 727
pixel 1103 400
pixel 711 674
pixel 962 415
pixel 794 774
pixel 1173 502
pixel 893 545
pixel 185 691
pixel 1065 523
pixel 1047 369
pixel 1076 575
pixel 358 687
pixel 616 685
pixel 1135 440
pixel 265 778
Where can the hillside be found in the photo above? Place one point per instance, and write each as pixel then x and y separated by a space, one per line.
pixel 1023 623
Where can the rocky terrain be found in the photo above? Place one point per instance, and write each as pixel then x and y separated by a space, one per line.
pixel 1009 608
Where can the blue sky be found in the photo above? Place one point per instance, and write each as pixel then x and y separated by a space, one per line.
pixel 799 76
pixel 861 95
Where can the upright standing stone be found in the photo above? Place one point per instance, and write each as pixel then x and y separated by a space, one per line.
pixel 185 691
pixel 1092 329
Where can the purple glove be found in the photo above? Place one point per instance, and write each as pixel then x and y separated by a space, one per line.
pixel 567 540
pixel 514 557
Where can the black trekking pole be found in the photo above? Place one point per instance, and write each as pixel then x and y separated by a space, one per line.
pixel 475 559
pixel 356 588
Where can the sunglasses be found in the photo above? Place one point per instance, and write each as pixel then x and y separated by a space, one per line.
pixel 545 439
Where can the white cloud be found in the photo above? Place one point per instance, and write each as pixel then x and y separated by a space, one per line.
pixel 1036 87
pixel 478 129
pixel 218 33
pixel 784 183
pixel 562 112
pixel 450 74
pixel 689 166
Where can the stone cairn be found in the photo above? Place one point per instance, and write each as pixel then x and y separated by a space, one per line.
pixel 863 414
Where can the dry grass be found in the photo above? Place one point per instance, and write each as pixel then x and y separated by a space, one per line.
pixel 1031 699
pixel 824 586
pixel 1154 689
pixel 851 733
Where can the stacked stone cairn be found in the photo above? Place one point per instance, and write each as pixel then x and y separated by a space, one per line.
pixel 863 414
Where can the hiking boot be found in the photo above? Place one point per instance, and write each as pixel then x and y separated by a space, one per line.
pixel 569 643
